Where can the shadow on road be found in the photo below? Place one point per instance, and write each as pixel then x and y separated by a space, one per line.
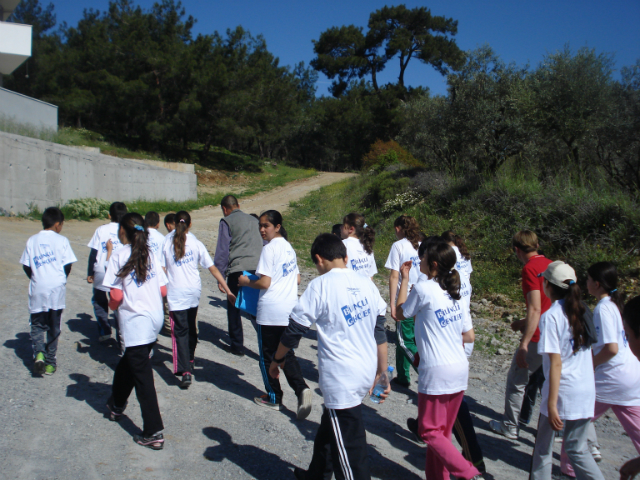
pixel 22 348
pixel 106 353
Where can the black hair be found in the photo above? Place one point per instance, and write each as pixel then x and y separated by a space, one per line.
pixel 426 241
pixel 51 216
pixel 255 215
pixel 410 229
pixel 574 310
pixel 458 241
pixel 152 219
pixel 117 210
pixel 437 250
pixel 169 218
pixel 328 246
pixel 138 236
pixel 275 219
pixel 606 274
pixel 337 230
pixel 366 235
pixel 229 201
pixel 631 315
pixel 183 220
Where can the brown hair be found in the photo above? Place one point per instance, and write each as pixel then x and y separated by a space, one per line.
pixel 525 240
pixel 410 229
pixel 138 236
pixel 366 235
pixel 440 252
pixel 183 220
pixel 606 274
pixel 458 241
pixel 631 315
pixel 573 309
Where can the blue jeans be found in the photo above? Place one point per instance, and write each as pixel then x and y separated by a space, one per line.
pixel 100 302
pixel 45 331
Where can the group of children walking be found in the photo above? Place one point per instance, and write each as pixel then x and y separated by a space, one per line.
pixel 132 268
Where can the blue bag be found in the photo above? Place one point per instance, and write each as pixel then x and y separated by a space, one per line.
pixel 247 299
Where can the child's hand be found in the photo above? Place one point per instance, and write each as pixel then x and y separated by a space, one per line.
pixel 554 419
pixel 274 371
pixel 405 268
pixel 90 279
pixel 416 360
pixel 630 469
pixel 384 395
pixel 243 281
pixel 231 298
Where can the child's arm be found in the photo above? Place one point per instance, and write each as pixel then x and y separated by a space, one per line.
pixel 163 290
pixel 263 283
pixel 554 387
pixel 608 351
pixel 92 260
pixel 299 279
pixel 469 336
pixel 393 288
pixel 67 269
pixel 290 339
pixel 28 271
pixel 404 290
pixel 222 283
pixel 116 296
pixel 381 340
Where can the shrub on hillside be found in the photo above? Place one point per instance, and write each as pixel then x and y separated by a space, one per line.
pixel 383 154
pixel 87 208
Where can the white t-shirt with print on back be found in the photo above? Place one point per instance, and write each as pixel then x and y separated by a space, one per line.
pixel 185 286
pixel 618 380
pixel 155 243
pixel 277 261
pixel 358 259
pixel 577 393
pixel 46 253
pixel 140 314
pixel 402 251
pixel 463 267
pixel 440 321
pixel 98 242
pixel 344 306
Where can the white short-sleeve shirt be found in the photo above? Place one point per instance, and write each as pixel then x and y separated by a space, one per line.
pixel 577 393
pixel 440 321
pixel 156 242
pixel 98 242
pixel 344 307
pixel 185 286
pixel 618 380
pixel 140 315
pixel 46 254
pixel 463 266
pixel 402 251
pixel 358 259
pixel 278 261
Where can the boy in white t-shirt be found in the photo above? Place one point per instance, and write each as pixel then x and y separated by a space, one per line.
pixel 348 313
pixel 156 239
pixel 47 260
pixel 98 266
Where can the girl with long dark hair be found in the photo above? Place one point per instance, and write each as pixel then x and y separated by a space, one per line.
pixel 359 238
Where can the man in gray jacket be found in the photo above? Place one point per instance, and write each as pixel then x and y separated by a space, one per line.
pixel 239 247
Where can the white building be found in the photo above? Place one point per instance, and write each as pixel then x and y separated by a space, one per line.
pixel 15 39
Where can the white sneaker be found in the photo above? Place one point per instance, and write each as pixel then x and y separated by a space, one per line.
pixel 595 453
pixel 304 404
pixel 499 428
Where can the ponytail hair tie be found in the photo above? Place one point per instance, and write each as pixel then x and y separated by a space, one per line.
pixel 139 228
pixel 182 220
pixel 571 282
pixel 614 290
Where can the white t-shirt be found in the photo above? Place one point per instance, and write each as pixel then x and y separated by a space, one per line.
pixel 444 368
pixel 277 261
pixel 402 251
pixel 618 380
pixel 577 393
pixel 344 306
pixel 358 259
pixel 46 254
pixel 140 314
pixel 156 242
pixel 183 290
pixel 463 266
pixel 99 242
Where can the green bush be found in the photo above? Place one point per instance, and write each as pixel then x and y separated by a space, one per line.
pixel 86 208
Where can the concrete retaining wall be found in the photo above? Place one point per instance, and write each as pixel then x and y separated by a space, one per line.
pixel 46 174
pixel 28 111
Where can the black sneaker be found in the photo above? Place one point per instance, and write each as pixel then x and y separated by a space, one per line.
pixel 115 413
pixel 233 351
pixel 186 381
pixel 412 425
pixel 397 381
pixel 154 442
pixel 299 473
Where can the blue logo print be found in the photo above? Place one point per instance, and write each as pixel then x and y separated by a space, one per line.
pixel 188 258
pixel 44 258
pixel 355 312
pixel 288 267
pixel 449 315
pixel 415 261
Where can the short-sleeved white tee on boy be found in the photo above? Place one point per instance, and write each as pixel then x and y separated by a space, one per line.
pixel 155 243
pixel 358 259
pixel 46 253
pixel 278 261
pixel 98 242
pixel 403 251
pixel 344 306
pixel 185 286
pixel 140 314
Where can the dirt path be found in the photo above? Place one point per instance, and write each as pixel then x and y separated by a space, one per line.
pixel 54 427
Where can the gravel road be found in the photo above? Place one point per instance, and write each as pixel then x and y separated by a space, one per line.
pixel 55 427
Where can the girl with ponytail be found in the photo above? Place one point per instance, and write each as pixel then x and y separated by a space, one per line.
pixel 137 284
pixel 568 393
pixel 278 285
pixel 441 327
pixel 183 252
pixel 359 238
pixel 404 250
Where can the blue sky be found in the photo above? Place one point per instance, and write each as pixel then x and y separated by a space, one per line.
pixel 519 31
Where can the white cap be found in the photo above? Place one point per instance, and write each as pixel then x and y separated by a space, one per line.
pixel 560 274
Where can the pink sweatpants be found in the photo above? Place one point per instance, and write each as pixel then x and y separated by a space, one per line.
pixel 629 418
pixel 436 416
